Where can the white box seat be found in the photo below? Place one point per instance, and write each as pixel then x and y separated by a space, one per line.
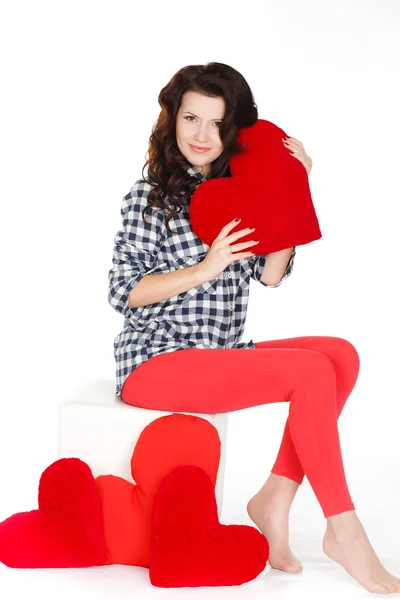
pixel 95 425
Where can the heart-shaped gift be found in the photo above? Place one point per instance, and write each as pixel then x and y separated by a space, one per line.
pixel 67 528
pixel 268 189
pixel 190 547
pixel 127 508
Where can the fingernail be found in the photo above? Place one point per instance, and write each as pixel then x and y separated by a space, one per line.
pixel 237 219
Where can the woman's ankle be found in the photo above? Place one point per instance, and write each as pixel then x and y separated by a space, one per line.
pixel 278 489
pixel 281 483
pixel 345 522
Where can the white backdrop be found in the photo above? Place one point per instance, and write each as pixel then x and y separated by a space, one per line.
pixel 80 84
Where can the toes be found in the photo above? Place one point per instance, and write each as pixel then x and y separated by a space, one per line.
pixel 287 567
pixel 394 587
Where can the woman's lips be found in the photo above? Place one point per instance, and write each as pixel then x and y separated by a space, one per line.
pixel 199 150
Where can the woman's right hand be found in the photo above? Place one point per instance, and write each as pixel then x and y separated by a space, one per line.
pixel 220 255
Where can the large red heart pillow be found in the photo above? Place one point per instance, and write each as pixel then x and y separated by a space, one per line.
pixel 127 508
pixel 190 547
pixel 67 528
pixel 268 189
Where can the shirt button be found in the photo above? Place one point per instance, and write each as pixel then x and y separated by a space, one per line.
pixel 190 261
pixel 229 275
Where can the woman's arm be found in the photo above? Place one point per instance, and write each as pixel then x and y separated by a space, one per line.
pixel 275 266
pixel 161 286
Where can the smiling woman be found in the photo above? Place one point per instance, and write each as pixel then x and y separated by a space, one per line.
pixel 204 107
pixel 185 305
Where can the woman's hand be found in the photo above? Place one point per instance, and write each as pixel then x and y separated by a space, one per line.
pixel 298 152
pixel 222 251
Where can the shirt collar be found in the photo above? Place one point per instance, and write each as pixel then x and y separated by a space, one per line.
pixel 196 173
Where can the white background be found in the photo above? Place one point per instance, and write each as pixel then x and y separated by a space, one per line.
pixel 80 82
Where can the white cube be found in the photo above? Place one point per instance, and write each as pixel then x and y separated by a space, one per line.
pixel 95 425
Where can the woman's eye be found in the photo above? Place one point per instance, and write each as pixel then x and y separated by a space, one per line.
pixel 191 117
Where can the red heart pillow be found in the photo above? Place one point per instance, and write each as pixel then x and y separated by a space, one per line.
pixel 66 530
pixel 190 548
pixel 268 189
pixel 163 445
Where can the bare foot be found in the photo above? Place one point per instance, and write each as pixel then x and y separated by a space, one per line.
pixel 272 518
pixel 346 542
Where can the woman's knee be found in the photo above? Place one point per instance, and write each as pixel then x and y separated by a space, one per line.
pixel 319 363
pixel 317 377
pixel 347 350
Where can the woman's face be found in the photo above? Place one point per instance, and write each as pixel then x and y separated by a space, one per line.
pixel 197 124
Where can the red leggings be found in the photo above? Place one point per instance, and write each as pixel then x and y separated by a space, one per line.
pixel 316 374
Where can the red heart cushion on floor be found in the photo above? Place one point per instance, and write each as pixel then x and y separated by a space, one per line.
pixel 67 528
pixel 190 548
pixel 269 190
pixel 163 445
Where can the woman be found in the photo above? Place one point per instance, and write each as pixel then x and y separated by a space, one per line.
pixel 185 306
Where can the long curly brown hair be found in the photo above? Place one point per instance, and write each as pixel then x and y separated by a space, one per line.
pixel 167 167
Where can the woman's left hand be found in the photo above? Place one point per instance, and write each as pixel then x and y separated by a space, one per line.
pixel 298 152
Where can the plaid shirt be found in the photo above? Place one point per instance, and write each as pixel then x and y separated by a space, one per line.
pixel 210 315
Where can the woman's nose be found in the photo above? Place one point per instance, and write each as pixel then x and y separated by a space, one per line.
pixel 201 134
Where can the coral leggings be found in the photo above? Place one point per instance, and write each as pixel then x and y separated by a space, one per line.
pixel 315 374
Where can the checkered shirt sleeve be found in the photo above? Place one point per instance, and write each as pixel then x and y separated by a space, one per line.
pixel 136 246
pixel 258 263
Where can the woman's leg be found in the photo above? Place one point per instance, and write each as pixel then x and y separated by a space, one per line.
pixel 225 380
pixel 346 363
pixel 269 508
